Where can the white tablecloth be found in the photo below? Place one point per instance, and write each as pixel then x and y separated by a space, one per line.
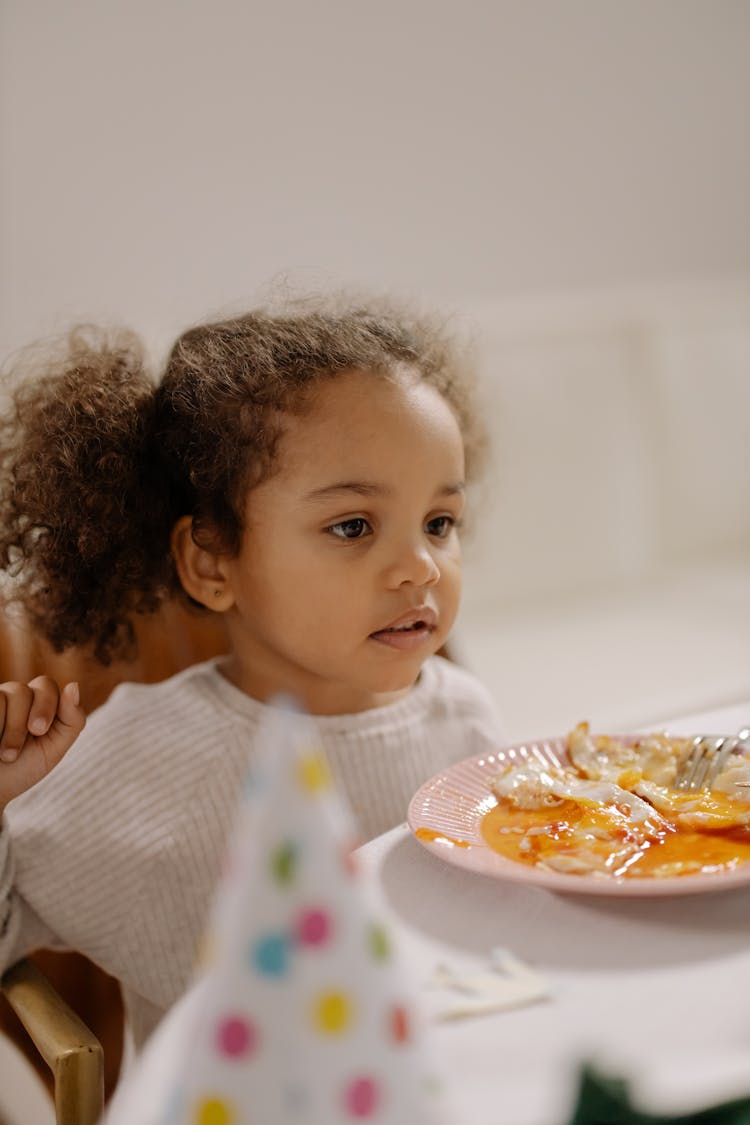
pixel 653 989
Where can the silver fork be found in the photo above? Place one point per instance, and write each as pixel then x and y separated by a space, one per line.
pixel 706 758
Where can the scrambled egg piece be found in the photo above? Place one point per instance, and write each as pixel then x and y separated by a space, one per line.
pixel 654 756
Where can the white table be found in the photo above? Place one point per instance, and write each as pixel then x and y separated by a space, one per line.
pixel 23 1095
pixel 652 988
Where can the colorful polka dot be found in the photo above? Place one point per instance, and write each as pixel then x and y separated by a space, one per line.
pixel 332 1013
pixel 313 772
pixel 283 862
pixel 313 927
pixel 236 1037
pixel 362 1097
pixel 377 939
pixel 270 955
pixel 400 1029
pixel 214 1111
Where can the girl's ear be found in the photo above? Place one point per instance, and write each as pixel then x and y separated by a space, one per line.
pixel 200 571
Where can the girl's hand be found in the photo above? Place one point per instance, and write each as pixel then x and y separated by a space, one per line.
pixel 38 724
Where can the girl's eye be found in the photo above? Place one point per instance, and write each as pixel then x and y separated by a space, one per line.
pixel 440 527
pixel 355 528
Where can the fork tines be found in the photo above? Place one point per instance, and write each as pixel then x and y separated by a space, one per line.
pixel 705 761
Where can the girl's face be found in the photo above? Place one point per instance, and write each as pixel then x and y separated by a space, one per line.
pixel 348 576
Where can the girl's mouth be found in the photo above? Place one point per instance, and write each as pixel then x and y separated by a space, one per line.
pixel 409 632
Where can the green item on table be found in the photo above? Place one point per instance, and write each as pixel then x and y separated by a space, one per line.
pixel 605 1101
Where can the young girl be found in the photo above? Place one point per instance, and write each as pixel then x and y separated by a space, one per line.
pixel 301 473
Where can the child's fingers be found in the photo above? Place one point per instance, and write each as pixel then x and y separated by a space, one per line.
pixel 41 710
pixel 15 706
pixel 69 711
pixel 69 722
pixel 46 695
pixel 25 756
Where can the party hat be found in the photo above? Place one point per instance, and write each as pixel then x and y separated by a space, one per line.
pixel 300 1013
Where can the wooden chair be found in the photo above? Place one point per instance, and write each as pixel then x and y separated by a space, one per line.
pixel 60 1009
pixel 64 1042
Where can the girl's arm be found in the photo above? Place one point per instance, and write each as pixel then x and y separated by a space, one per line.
pixel 38 724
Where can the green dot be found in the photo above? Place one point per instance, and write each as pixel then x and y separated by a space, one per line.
pixel 284 862
pixel 380 947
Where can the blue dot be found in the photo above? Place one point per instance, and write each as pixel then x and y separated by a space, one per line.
pixel 256 780
pixel 270 955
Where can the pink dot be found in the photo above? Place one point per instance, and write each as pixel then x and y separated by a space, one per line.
pixel 313 927
pixel 362 1097
pixel 236 1037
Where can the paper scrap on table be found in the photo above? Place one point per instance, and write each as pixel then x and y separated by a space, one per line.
pixel 300 1013
pixel 508 983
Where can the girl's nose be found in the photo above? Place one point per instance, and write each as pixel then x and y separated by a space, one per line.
pixel 415 565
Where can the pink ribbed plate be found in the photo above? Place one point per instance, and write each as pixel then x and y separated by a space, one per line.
pixel 450 808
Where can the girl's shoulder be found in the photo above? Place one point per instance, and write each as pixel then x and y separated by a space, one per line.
pixel 454 692
pixel 137 718
pixel 144 735
pixel 140 702
pixel 199 678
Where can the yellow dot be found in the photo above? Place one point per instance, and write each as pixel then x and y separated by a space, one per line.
pixel 333 1013
pixel 313 772
pixel 213 1111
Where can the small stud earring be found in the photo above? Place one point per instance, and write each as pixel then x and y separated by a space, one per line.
pixel 217 593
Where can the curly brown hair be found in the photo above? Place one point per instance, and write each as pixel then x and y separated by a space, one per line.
pixel 98 459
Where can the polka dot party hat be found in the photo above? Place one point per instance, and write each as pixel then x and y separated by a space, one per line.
pixel 299 1014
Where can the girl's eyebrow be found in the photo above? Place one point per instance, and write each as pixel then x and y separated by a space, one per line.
pixel 366 488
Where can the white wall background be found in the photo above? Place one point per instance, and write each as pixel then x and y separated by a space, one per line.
pixel 164 159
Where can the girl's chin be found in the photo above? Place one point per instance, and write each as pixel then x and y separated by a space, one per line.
pixel 400 680
pixel 377 690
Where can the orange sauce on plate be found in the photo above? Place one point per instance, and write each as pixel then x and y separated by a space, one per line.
pixel 625 849
pixel 432 836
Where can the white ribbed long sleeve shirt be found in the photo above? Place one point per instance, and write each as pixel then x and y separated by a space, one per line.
pixel 116 853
